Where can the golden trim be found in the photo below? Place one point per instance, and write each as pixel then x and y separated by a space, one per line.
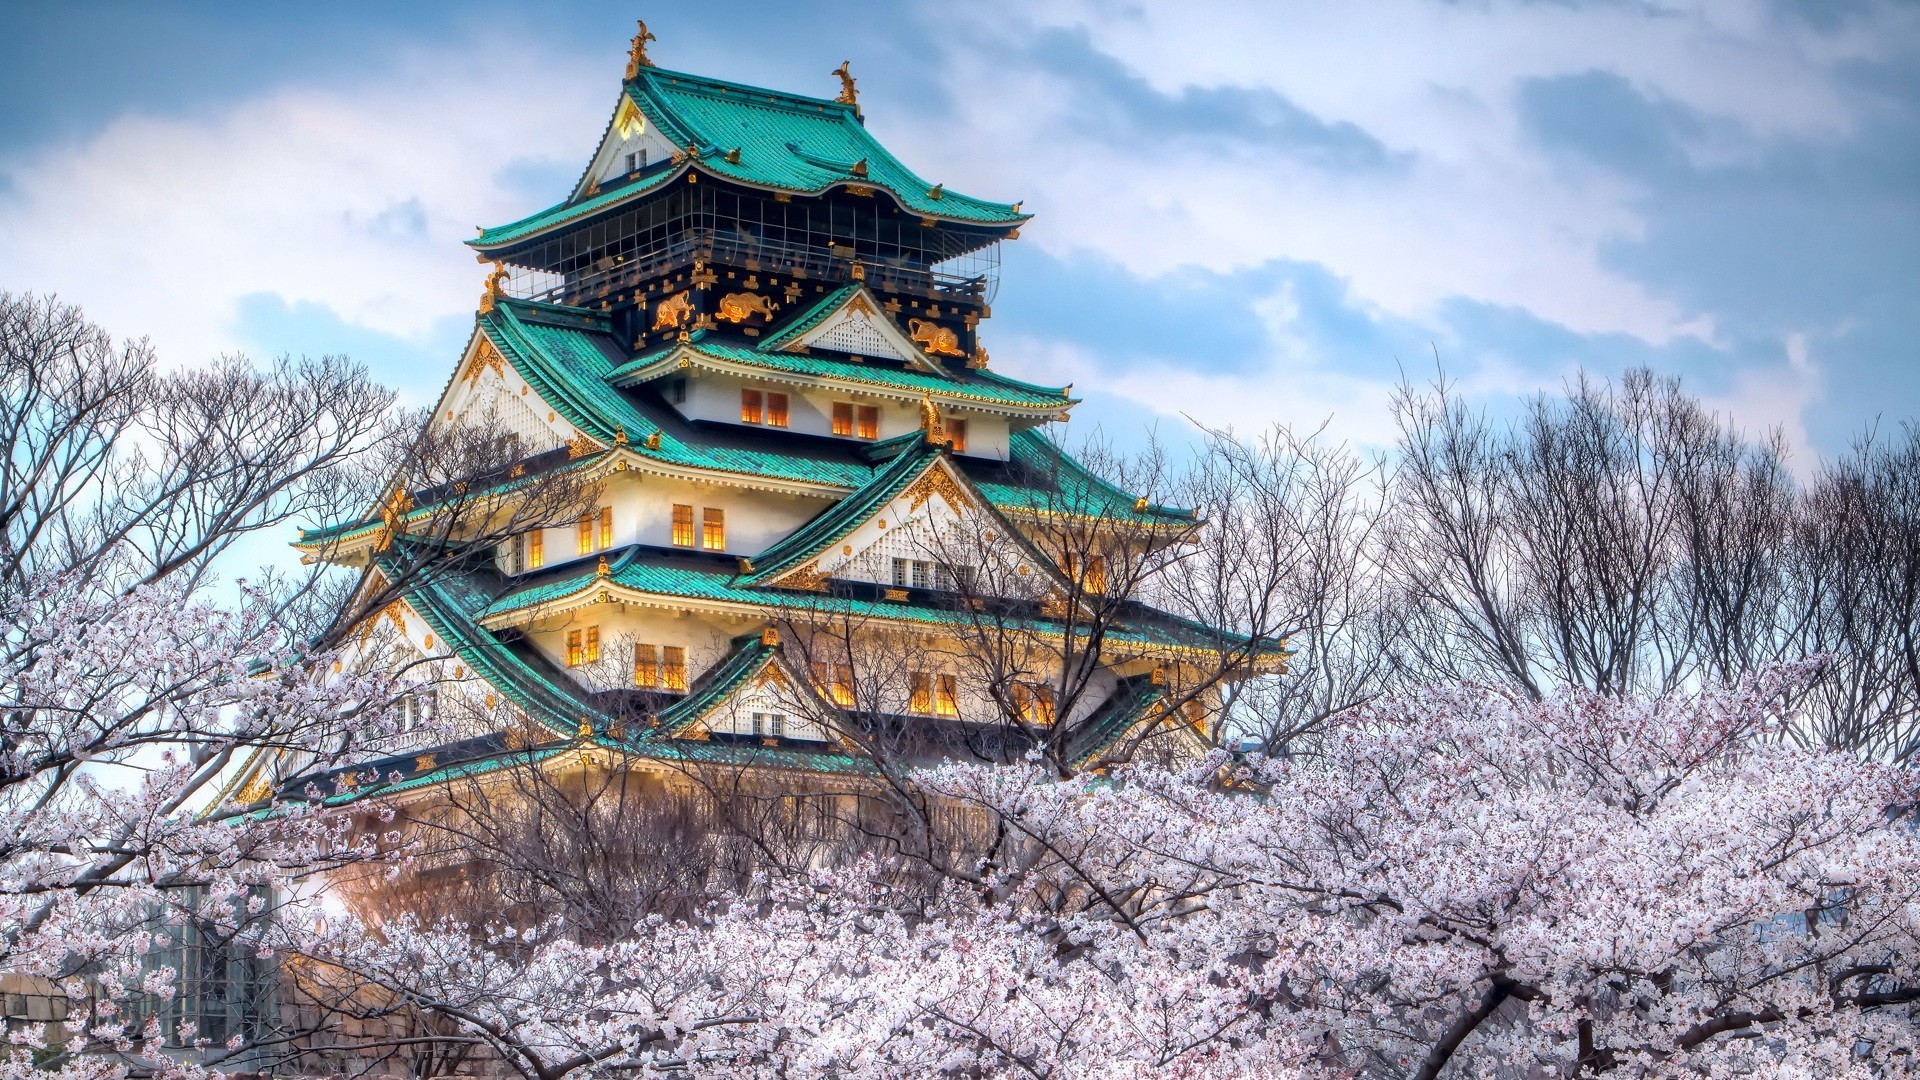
pixel 637 51
pixel 485 358
pixel 936 481
pixel 935 339
pixel 738 307
pixel 673 312
pixel 848 95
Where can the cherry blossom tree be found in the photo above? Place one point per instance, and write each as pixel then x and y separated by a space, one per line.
pixel 1462 880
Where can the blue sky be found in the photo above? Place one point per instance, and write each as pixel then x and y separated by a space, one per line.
pixel 1245 212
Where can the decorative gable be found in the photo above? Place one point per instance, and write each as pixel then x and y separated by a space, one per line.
pixel 487 391
pixel 855 325
pixel 630 144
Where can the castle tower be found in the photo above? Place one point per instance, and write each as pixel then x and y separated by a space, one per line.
pixel 758 335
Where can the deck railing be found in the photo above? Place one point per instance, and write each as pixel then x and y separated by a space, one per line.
pixel 611 276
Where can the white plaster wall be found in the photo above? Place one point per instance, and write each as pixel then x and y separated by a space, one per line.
pixel 705 637
pixel 643 514
pixel 716 397
pixel 736 716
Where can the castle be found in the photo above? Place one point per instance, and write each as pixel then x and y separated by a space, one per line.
pixel 755 337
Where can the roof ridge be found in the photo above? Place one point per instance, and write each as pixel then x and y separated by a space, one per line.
pixel 651 73
pixel 834 522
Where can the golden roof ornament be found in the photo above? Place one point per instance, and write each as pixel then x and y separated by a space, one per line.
pixel 936 432
pixel 603 570
pixel 620 435
pixel 393 515
pixel 496 288
pixel 848 95
pixel 637 52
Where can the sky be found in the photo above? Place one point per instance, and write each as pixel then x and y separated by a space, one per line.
pixel 1244 213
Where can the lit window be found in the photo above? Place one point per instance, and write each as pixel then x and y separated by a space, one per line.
pixel 713 529
pixel 777 410
pixel 836 680
pixel 920 693
pixel 946 697
pixel 751 410
pixel 537 549
pixel 1034 703
pixel 869 422
pixel 646 667
pixel 673 668
pixel 682 525
pixel 1091 577
pixel 593 644
pixel 843 418
pixel 957 433
pixel 586 533
pixel 606 527
pixel 576 651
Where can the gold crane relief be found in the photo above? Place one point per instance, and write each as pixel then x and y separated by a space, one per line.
pixel 934 338
pixel 736 307
pixel 674 311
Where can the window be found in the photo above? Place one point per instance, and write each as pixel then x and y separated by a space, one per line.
pixel 919 573
pixel 682 525
pixel 675 391
pixel 583 646
pixel 646 667
pixel 673 668
pixel 771 725
pixel 957 432
pixel 586 534
pixel 869 422
pixel 537 549
pixel 713 528
pixel 843 418
pixel 416 708
pixel 1092 577
pixel 606 527
pixel 752 410
pixel 1034 703
pixel 836 680
pixel 777 410
pixel 946 696
pixel 902 571
pixel 920 693
pixel 513 554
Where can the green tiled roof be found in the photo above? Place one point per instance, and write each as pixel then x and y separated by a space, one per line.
pixel 570 365
pixel 976 386
pixel 844 516
pixel 812 316
pixel 679 577
pixel 786 142
pixel 750 656
pixel 1039 477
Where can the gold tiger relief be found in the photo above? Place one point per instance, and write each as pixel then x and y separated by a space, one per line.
pixel 674 311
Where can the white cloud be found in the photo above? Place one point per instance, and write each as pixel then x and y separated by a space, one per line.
pixel 1480 212
pixel 354 197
